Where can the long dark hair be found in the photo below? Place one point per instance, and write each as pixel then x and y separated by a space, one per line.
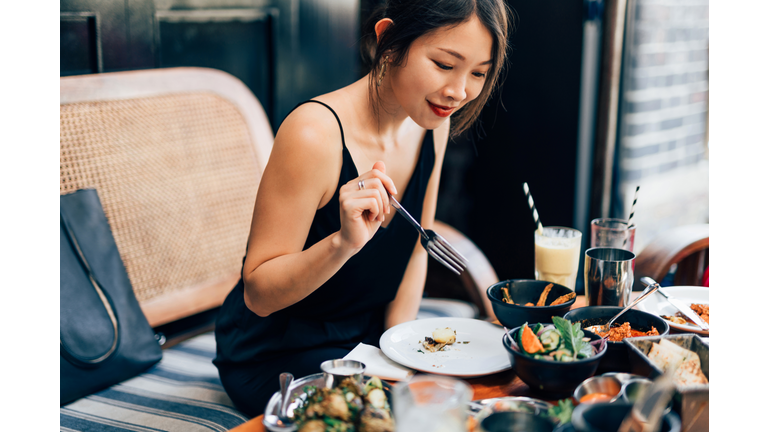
pixel 415 18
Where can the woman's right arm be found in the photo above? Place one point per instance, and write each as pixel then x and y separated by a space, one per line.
pixel 300 177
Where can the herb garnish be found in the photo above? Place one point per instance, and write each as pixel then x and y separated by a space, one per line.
pixel 573 337
pixel 562 411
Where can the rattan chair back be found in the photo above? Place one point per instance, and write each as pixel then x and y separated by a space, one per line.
pixel 176 156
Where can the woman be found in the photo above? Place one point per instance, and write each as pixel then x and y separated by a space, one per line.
pixel 328 264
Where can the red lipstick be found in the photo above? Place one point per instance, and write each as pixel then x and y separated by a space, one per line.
pixel 440 111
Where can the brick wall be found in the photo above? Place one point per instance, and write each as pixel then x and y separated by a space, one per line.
pixel 663 139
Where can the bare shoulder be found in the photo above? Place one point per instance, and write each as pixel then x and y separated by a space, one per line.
pixel 310 127
pixel 306 154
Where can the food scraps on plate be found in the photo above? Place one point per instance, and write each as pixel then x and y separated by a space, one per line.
pixel 440 339
pixel 701 310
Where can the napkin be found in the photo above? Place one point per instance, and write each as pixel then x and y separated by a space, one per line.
pixel 377 364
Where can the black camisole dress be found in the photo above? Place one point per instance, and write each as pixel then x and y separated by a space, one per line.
pixel 252 351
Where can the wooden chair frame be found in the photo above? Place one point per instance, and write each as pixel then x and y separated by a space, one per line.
pixel 686 246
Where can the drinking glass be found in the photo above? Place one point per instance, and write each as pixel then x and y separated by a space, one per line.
pixel 557 255
pixel 612 233
pixel 608 276
pixel 431 403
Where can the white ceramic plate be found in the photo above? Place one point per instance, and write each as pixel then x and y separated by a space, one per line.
pixel 484 353
pixel 658 305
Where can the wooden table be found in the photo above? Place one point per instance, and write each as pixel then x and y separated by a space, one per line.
pixel 491 386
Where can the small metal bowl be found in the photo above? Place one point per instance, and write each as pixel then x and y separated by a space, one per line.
pixel 336 371
pixel 511 421
pixel 636 388
pixel 623 377
pixel 598 384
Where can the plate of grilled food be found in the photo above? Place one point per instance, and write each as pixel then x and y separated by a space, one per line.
pixel 695 297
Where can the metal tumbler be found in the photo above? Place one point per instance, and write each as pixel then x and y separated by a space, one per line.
pixel 336 371
pixel 608 276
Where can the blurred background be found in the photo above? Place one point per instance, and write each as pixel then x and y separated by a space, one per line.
pixel 600 97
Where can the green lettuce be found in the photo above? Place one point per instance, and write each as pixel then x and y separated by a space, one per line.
pixel 573 338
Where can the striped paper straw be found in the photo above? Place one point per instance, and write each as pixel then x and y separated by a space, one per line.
pixel 630 222
pixel 528 196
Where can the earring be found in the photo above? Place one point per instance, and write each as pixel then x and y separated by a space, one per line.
pixel 382 71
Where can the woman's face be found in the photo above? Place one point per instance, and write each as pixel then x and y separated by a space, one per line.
pixel 444 71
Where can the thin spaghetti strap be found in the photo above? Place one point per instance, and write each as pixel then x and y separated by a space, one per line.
pixel 343 143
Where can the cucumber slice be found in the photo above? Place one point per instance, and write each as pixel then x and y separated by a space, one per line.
pixel 550 340
pixel 537 328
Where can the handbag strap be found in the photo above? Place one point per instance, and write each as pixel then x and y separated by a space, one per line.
pixel 103 295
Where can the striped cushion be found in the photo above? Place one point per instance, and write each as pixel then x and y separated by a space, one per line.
pixel 437 307
pixel 180 393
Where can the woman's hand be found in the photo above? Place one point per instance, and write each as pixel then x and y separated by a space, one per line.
pixel 362 210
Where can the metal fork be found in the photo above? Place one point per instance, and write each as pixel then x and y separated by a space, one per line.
pixel 435 245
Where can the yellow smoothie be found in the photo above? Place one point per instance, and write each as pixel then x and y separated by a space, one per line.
pixel 557 255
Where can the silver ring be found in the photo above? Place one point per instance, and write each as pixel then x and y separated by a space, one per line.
pixel 361 184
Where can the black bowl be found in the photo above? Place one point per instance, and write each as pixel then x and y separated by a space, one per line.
pixel 550 378
pixel 523 291
pixel 607 417
pixel 617 357
pixel 509 421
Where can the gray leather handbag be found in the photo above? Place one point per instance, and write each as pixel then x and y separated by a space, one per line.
pixel 104 336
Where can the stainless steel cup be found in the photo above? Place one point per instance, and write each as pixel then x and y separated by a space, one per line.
pixel 336 371
pixel 608 276
pixel 634 389
pixel 599 384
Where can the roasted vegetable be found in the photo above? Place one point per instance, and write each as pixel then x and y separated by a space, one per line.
pixel 375 419
pixel 345 409
pixel 372 383
pixel 377 398
pixel 445 336
pixel 313 426
pixel 543 297
pixel 505 296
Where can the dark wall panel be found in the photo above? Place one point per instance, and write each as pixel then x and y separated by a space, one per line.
pixel 122 46
pixel 79 47
pixel 529 133
pixel 285 51
pixel 328 56
pixel 237 42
